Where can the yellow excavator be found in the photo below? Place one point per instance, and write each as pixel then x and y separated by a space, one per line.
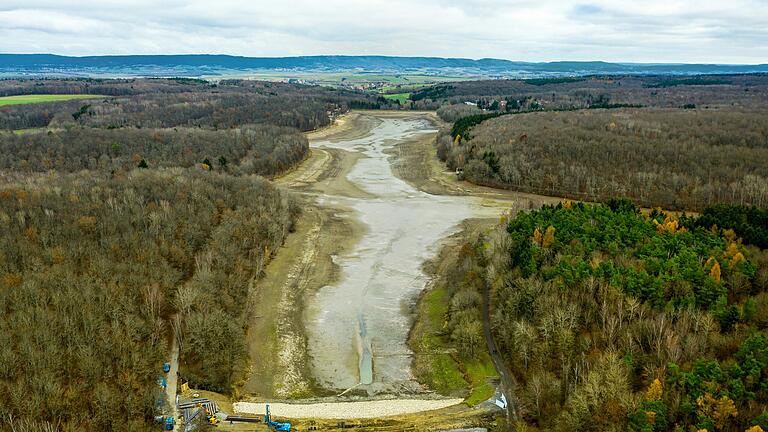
pixel 212 419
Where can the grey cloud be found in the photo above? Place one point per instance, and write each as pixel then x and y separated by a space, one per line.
pixel 535 30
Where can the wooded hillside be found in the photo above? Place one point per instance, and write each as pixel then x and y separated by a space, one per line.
pixel 163 103
pixel 677 159
pixel 583 92
pixel 261 149
pixel 127 222
pixel 611 320
pixel 97 272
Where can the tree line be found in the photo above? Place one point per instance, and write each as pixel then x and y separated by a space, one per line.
pixel 678 159
pixel 749 91
pixel 163 103
pixel 749 222
pixel 259 149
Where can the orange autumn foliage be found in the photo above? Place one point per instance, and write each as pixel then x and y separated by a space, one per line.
pixel 549 237
pixel 537 236
pixel 654 391
pixel 714 273
pixel 720 410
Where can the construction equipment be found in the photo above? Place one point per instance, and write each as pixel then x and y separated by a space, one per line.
pixel 198 406
pixel 276 426
pixel 169 423
pixel 210 412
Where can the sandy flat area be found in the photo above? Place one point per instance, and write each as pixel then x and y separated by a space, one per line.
pixel 346 410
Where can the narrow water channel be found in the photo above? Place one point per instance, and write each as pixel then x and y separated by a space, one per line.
pixel 357 329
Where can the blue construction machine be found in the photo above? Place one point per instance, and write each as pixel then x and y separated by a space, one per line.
pixel 276 426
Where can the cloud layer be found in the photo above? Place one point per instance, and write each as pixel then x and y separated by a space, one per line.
pixel 685 31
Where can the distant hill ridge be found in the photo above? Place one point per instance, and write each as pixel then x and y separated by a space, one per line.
pixel 212 64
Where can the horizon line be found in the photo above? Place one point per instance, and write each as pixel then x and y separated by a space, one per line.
pixel 377 56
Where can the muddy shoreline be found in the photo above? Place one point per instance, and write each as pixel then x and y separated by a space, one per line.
pixel 276 338
pixel 358 326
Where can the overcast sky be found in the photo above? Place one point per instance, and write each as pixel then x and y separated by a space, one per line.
pixel 686 31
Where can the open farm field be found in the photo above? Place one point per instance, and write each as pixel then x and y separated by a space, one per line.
pixel 43 98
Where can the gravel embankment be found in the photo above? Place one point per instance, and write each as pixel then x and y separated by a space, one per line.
pixel 346 410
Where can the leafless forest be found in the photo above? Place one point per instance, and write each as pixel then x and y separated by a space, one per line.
pixel 676 159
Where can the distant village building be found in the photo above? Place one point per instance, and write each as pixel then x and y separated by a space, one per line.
pixel 502 105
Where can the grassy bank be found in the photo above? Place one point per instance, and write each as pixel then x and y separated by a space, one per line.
pixel 439 361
